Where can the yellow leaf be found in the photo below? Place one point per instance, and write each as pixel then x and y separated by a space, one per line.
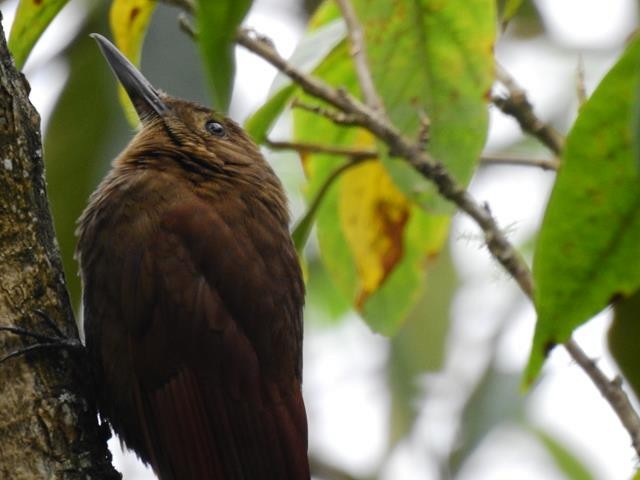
pixel 129 20
pixel 373 215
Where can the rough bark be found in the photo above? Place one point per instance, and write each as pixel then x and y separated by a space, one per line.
pixel 48 425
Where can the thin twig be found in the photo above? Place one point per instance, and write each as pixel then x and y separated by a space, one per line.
pixel 543 163
pixel 23 332
pixel 424 132
pixel 359 55
pixel 581 89
pixel 337 117
pixel 50 323
pixel 68 345
pixel 611 390
pixel 517 105
pixel 339 99
pixel 302 148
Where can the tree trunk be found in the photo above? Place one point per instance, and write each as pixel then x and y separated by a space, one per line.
pixel 48 423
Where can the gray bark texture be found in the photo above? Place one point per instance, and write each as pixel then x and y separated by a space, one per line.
pixel 48 425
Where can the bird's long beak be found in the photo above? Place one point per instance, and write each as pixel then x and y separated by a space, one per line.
pixel 144 97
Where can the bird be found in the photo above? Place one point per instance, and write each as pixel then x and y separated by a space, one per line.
pixel 193 296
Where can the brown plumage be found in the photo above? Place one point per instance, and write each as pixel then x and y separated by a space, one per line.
pixel 193 297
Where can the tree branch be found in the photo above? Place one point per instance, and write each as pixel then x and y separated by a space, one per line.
pixel 500 248
pixel 302 148
pixel 400 146
pixel 543 163
pixel 48 423
pixel 359 54
pixel 517 105
pixel 335 116
pixel 611 390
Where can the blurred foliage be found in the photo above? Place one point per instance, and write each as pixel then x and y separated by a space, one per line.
pixel 587 251
pixel 310 6
pixel 32 18
pixel 129 20
pixel 419 347
pixel 565 459
pixel 261 122
pixel 217 24
pixel 494 402
pixel 508 9
pixel 324 303
pixel 77 143
pixel 520 18
pixel 623 336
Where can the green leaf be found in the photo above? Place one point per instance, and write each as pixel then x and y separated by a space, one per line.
pixel 565 460
pixel 636 126
pixel 32 18
pixel 587 251
pixel 623 339
pixel 217 23
pixel 262 120
pixel 81 139
pixel 373 240
pixel 326 12
pixel 509 10
pixel 129 20
pixel 434 57
pixel 324 304
pixel 374 237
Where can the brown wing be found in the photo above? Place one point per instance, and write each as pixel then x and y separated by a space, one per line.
pixel 214 345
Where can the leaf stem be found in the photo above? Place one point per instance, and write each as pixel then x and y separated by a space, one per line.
pixel 543 163
pixel 302 229
pixel 303 148
pixel 359 55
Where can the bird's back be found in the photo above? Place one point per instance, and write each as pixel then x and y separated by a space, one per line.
pixel 193 298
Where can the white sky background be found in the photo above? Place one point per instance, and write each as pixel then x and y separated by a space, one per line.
pixel 346 401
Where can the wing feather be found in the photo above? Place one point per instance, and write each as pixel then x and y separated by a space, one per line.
pixel 214 352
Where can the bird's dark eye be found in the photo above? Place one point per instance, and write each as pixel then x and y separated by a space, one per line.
pixel 215 128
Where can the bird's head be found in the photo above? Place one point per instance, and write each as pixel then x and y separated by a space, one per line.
pixel 172 127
